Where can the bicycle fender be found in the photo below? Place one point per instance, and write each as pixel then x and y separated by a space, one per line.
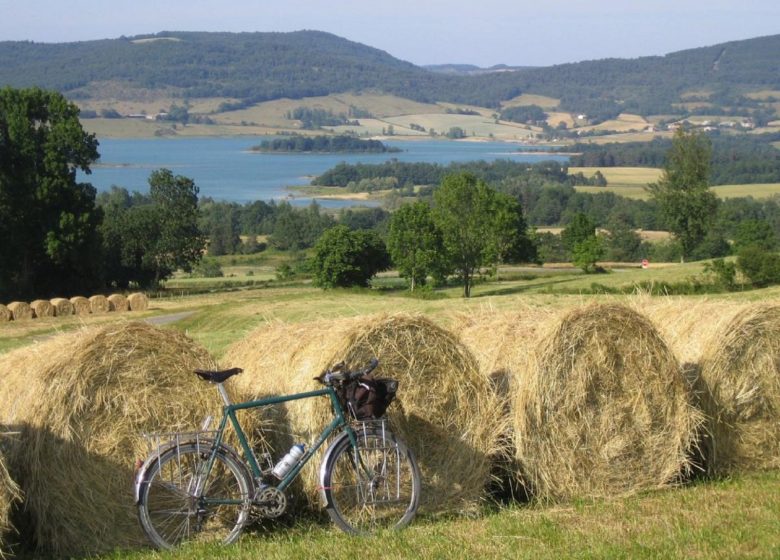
pixel 140 475
pixel 326 459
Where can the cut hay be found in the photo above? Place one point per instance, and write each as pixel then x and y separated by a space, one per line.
pixel 20 310
pixel 9 496
pixel 81 305
pixel 62 307
pixel 688 324
pixel 98 304
pixel 42 308
pixel 138 302
pixel 601 407
pixel 445 410
pixel 80 401
pixel 741 368
pixel 118 303
pixel 5 314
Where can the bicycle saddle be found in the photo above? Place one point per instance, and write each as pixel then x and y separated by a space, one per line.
pixel 218 376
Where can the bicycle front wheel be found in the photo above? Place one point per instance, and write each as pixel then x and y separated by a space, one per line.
pixel 372 486
pixel 181 500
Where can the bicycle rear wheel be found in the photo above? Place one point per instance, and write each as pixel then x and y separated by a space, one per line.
pixel 179 501
pixel 372 486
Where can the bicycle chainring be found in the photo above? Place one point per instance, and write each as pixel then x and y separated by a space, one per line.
pixel 270 502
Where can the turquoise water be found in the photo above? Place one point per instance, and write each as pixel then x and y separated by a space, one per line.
pixel 225 169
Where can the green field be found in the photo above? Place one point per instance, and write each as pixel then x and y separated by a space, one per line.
pixel 737 518
pixel 631 182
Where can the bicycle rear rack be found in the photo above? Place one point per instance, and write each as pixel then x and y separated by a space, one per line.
pixel 158 443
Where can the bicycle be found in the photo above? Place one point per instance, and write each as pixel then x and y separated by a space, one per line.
pixel 196 487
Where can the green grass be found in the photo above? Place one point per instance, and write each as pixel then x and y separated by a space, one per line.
pixel 736 518
pixel 223 310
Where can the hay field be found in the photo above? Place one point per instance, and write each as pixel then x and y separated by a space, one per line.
pixel 10 495
pixel 761 190
pixel 622 176
pixel 222 319
pixel 274 113
pixel 478 125
pixel 554 118
pixel 81 401
pixel 532 99
pixel 625 122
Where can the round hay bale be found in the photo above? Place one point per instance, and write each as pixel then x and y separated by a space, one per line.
pixel 42 308
pixel 445 412
pixel 9 495
pixel 20 310
pixel 601 407
pixel 494 338
pixel 5 314
pixel 118 303
pixel 741 367
pixel 81 305
pixel 81 401
pixel 98 304
pixel 688 324
pixel 62 307
pixel 138 302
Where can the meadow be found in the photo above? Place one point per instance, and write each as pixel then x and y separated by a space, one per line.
pixel 734 516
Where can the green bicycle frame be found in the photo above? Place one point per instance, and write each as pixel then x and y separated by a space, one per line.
pixel 229 413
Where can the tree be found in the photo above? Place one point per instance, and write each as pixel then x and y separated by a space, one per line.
pixel 463 213
pixel 579 229
pixel 48 221
pixel 345 258
pixel 623 244
pixel 755 233
pixel 415 243
pixel 180 243
pixel 761 267
pixel 683 194
pixel 147 241
pixel 587 252
pixel 509 240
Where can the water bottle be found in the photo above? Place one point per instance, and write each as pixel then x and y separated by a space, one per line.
pixel 288 461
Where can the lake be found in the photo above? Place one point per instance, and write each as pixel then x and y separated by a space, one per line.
pixel 225 169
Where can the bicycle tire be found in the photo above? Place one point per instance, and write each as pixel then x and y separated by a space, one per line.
pixel 371 488
pixel 175 502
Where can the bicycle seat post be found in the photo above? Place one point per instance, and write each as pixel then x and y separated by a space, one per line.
pixel 223 393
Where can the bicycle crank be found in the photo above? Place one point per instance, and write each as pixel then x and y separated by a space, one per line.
pixel 270 502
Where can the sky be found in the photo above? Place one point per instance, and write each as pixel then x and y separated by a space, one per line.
pixel 480 32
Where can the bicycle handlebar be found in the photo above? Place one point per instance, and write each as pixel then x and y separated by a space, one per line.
pixel 334 374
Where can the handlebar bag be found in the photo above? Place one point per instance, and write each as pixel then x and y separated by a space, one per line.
pixel 368 398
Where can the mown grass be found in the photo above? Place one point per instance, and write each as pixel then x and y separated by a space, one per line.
pixel 735 518
pixel 224 310
pixel 630 182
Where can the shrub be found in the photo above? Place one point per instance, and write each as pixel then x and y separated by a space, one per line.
pixel 759 266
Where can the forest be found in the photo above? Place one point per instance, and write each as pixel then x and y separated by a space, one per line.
pixel 325 144
pixel 736 159
pixel 255 67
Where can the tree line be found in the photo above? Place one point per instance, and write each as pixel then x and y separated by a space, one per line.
pixel 322 143
pixel 60 237
pixel 734 159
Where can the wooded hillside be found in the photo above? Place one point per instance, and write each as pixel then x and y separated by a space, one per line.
pixel 253 67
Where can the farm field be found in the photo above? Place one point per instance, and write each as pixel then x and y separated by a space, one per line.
pixel 631 182
pixel 224 309
pixel 735 517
